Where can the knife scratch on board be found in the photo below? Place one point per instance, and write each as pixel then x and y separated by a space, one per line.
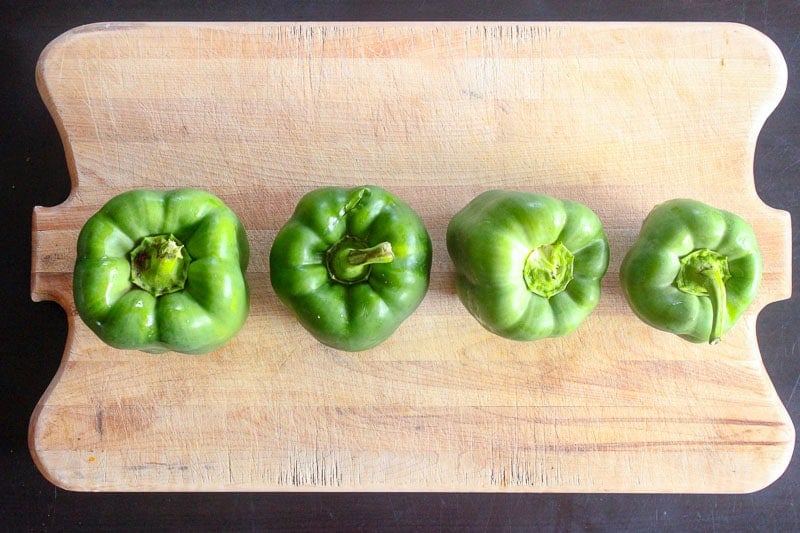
pixel 99 416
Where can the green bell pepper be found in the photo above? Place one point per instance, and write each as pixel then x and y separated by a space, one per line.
pixel 528 266
pixel 692 271
pixel 352 264
pixel 163 271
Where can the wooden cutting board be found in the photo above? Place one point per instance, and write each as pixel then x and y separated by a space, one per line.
pixel 617 116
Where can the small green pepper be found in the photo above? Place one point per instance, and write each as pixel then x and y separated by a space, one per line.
pixel 528 266
pixel 693 270
pixel 352 264
pixel 161 271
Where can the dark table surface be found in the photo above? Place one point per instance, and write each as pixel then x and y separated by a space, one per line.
pixel 34 172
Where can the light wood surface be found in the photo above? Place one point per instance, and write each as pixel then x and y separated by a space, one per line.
pixel 617 116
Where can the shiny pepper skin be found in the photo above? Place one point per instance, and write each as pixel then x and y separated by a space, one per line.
pixel 161 271
pixel 693 270
pixel 352 264
pixel 528 266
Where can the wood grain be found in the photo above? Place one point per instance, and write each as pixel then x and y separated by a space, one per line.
pixel 617 116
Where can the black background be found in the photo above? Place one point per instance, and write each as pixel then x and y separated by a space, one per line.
pixel 34 172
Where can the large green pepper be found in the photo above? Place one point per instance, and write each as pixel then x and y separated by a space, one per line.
pixel 352 264
pixel 163 271
pixel 528 266
pixel 693 270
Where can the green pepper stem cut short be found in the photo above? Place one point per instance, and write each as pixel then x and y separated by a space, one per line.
pixel 548 269
pixel 160 264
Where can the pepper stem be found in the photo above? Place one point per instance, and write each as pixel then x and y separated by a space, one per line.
pixel 704 272
pixel 349 260
pixel 718 295
pixel 159 264
pixel 548 269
